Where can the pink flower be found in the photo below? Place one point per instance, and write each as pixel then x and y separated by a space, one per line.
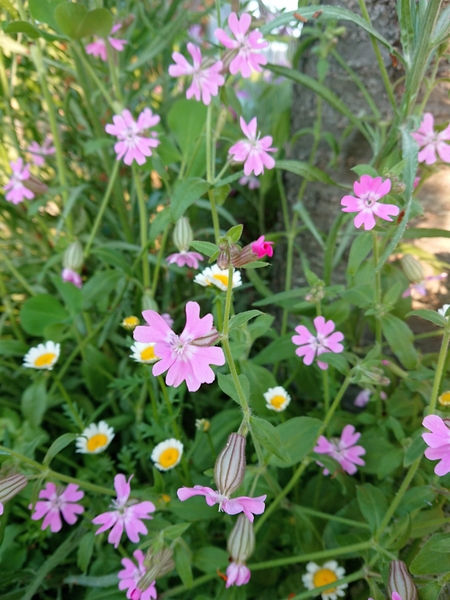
pixel 439 443
pixel 127 513
pixel 233 506
pixel 344 451
pixel 254 151
pixel 368 190
pixel 187 356
pixel 38 152
pixel 248 47
pixel 56 502
pixel 132 144
pixel 72 276
pixel 253 251
pixel 431 142
pixel 420 287
pixel 262 248
pixel 314 345
pixel 362 398
pixel 17 191
pixel 237 574
pixel 185 258
pixel 251 182
pixel 206 78
pixel 98 46
pixel 167 318
pixel 131 575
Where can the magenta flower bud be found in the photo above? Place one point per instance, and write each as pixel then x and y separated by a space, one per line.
pixel 229 469
pixel 241 541
pixel 400 581
pixel 254 251
pixel 207 340
pixel 10 487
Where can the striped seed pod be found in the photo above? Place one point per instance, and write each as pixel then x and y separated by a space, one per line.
pixel 400 581
pixel 229 469
pixel 10 487
pixel 241 541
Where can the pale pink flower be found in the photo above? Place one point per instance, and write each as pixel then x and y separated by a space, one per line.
pixel 233 506
pixel 253 151
pixel 131 575
pixel 206 77
pixel 98 46
pixel 312 346
pixel 132 144
pixel 251 182
pixel 248 46
pixel 196 34
pixel 237 574
pixel 362 398
pixel 439 443
pixel 38 152
pixel 185 258
pixel 368 191
pixel 168 319
pixel 420 287
pixel 185 357
pixel 127 514
pixel 431 142
pixel 17 192
pixel 344 451
pixel 71 276
pixel 57 501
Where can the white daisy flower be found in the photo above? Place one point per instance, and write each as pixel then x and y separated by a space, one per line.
pixel 143 352
pixel 317 576
pixel 277 398
pixel 43 356
pixel 95 438
pixel 218 277
pixel 167 454
pixel 442 310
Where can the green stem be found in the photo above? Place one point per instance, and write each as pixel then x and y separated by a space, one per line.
pixel 10 311
pixel 17 275
pixel 210 174
pixel 113 72
pixel 69 402
pixel 439 369
pixel 151 393
pixel 328 517
pixel 143 223
pixel 159 260
pixel 378 334
pixel 82 56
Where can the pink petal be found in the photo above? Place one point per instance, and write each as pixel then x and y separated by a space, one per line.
pixel 122 487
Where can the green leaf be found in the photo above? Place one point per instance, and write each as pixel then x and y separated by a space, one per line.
pixel 300 209
pixel 221 194
pixel 174 531
pixel 400 339
pixel 95 368
pixel 72 296
pixel 256 264
pixel 13 348
pixel 183 558
pixel 335 360
pixel 429 315
pixel 359 250
pixel 98 287
pixel 269 438
pixel 415 449
pixel 85 550
pixel 69 17
pixel 305 170
pixel 23 27
pixel 434 556
pixel 210 558
pixel 43 11
pixel 34 402
pixel 372 503
pixel 226 384
pixel 205 248
pixel 360 295
pixel 229 179
pixel 419 232
pixel 186 192
pixel 393 293
pixel 235 233
pixel 281 348
pixel 364 170
pixel 59 444
pixel 38 312
pixel 113 257
pixel 241 318
pixel 299 436
pixel 97 22
pixel 186 120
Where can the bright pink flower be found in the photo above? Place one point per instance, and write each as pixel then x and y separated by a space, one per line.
pixel 344 451
pixel 56 502
pixel 262 248
pixel 420 287
pixel 368 191
pixel 71 276
pixel 38 152
pixel 248 47
pixel 431 142
pixel 362 398
pixel 251 182
pixel 131 575
pixel 439 443
pixel 17 191
pixel 206 78
pixel 132 144
pixel 237 574
pixel 233 506
pixel 98 46
pixel 253 151
pixel 185 258
pixel 314 345
pixel 127 513
pixel 188 356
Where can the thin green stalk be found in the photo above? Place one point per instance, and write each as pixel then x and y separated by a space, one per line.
pixel 159 260
pixel 328 517
pixel 222 171
pixel 69 402
pixel 143 223
pixel 439 369
pixel 17 275
pixel 82 56
pixel 151 393
pixel 378 334
pixel 10 311
pixel 210 174
pixel 7 103
pixel 113 72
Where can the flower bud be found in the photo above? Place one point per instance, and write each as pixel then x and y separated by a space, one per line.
pixel 148 302
pixel 182 234
pixel 254 251
pixel 220 123
pixel 157 564
pixel 202 425
pixel 35 185
pixel 229 469
pixel 444 398
pixel 130 322
pixel 412 268
pixel 73 256
pixel 400 581
pixel 241 541
pixel 223 260
pixel 207 340
pixel 10 487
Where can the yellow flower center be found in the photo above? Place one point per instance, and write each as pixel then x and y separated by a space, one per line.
pixel 96 441
pixel 166 498
pixel 444 399
pixel 222 278
pixel 44 359
pixel 277 401
pixel 323 577
pixel 130 322
pixel 169 457
pixel 148 353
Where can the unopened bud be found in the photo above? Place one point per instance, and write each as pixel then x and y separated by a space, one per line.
pixel 130 322
pixel 241 541
pixel 10 487
pixel 400 581
pixel 73 256
pixel 223 260
pixel 148 302
pixel 412 268
pixel 220 124
pixel 202 425
pixel 444 398
pixel 35 185
pixel 229 469
pixel 254 251
pixel 129 19
pixel 373 375
pixel 157 563
pixel 207 340
pixel 397 186
pixel 182 234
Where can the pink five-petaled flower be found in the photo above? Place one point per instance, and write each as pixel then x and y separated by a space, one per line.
pixel 56 502
pixel 71 276
pixel 15 188
pixel 368 191
pixel 185 258
pixel 131 575
pixel 38 152
pixel 431 142
pixel 344 451
pixel 206 78
pixel 98 46
pixel 314 345
pixel 126 514
pixel 185 357
pixel 253 151
pixel 233 506
pixel 132 144
pixel 248 47
pixel 439 443
pixel 262 248
pixel 237 574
